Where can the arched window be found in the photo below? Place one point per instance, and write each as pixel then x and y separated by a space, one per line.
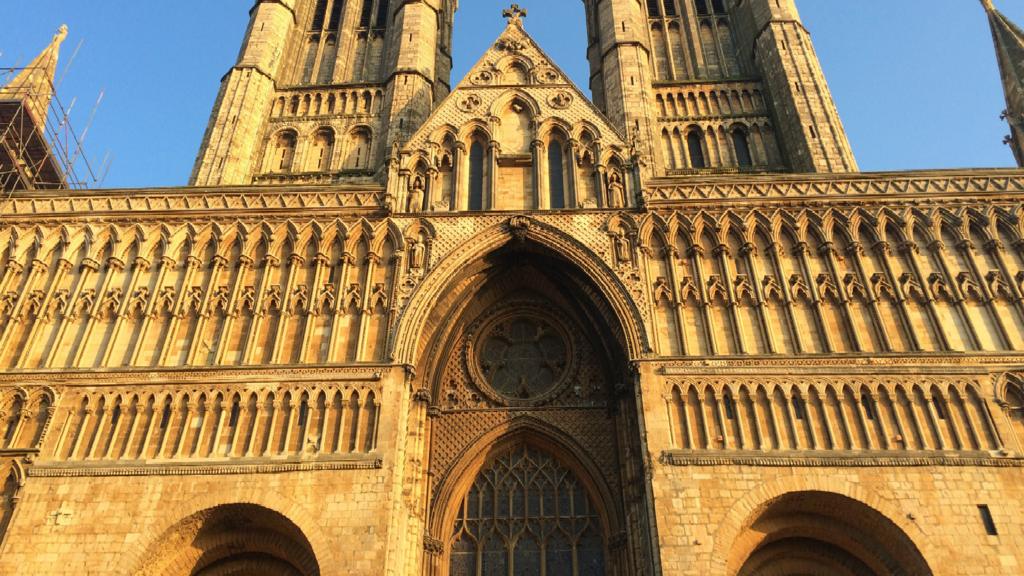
pixel 695 149
pixel 322 150
pixel 741 143
pixel 527 514
pixel 358 156
pixel 556 175
pixel 476 176
pixel 284 152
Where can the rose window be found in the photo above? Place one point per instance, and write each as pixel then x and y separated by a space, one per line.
pixel 522 357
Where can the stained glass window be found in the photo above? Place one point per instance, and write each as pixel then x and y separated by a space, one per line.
pixel 528 515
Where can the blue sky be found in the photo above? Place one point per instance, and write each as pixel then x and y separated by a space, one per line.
pixel 915 80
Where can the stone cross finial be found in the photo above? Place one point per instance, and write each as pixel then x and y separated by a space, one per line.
pixel 515 14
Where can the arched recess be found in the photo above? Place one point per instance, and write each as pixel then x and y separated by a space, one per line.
pixel 568 396
pixel 609 292
pixel 231 539
pixel 817 531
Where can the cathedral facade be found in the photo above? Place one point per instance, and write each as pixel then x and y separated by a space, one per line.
pixel 398 326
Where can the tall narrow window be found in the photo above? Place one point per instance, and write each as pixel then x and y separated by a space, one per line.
pixel 869 408
pixel 702 7
pixel 284 152
pixel 718 6
pixel 653 10
pixel 742 146
pixel 670 7
pixel 358 150
pixel 799 410
pixel 322 150
pixel 476 176
pixel 382 14
pixel 987 520
pixel 319 14
pixel 556 175
pixel 696 149
pixel 367 12
pixel 339 5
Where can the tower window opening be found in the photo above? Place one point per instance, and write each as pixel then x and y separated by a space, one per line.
pixel 165 417
pixel 799 410
pixel 695 149
pixel 718 6
pixel 730 407
pixel 940 410
pixel 235 409
pixel 869 408
pixel 336 9
pixel 382 14
pixel 365 14
pixel 303 412
pixel 653 10
pixel 742 146
pixel 670 7
pixel 702 7
pixel 987 520
pixel 319 14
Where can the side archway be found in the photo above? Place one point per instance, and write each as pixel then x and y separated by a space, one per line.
pixel 231 539
pixel 275 511
pixel 820 529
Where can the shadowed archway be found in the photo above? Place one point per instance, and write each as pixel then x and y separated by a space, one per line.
pixel 823 533
pixel 232 539
pixel 525 360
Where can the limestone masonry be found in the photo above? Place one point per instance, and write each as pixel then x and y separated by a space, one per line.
pixel 400 327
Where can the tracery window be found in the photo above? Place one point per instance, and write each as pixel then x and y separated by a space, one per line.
pixel 526 514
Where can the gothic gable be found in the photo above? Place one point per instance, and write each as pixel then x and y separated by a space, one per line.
pixel 514 103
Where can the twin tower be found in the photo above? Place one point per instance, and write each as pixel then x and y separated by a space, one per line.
pixel 333 91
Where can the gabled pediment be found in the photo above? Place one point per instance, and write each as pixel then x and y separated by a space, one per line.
pixel 515 101
pixel 515 67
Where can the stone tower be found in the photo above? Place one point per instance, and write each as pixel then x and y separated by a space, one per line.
pixel 372 68
pixel 1009 40
pixel 737 85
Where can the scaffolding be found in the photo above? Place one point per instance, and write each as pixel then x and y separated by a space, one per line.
pixel 39 148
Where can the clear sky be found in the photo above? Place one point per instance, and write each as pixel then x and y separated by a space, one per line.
pixel 915 80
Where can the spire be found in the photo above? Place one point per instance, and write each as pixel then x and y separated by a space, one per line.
pixel 34 84
pixel 1009 41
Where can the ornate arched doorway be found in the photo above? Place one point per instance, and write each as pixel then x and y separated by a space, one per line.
pixel 823 533
pixel 533 459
